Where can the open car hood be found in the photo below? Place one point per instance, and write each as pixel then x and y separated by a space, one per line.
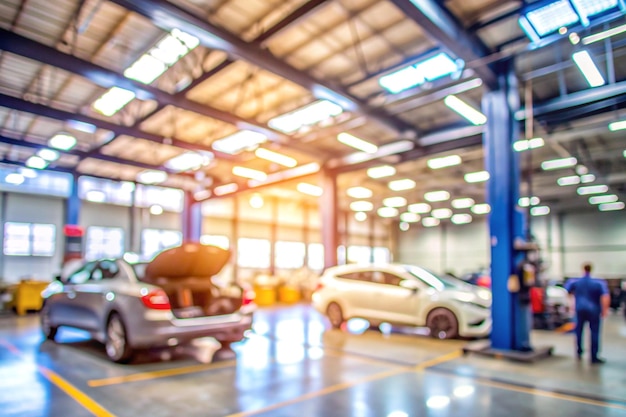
pixel 189 260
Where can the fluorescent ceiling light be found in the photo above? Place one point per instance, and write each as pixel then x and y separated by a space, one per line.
pixel 240 141
pixel 441 213
pixel 429 69
pixel 587 8
pixel 360 216
pixel 95 196
pixel 401 185
pixel 539 210
pixel 113 100
pixel 587 178
pixel 14 178
pixel 394 202
pixel 621 125
pixel 528 201
pixel 559 163
pixel 189 161
pixel 443 162
pixel 381 171
pixel 611 206
pixel 570 180
pixel 249 173
pixel 305 116
pixel 478 176
pixel 146 69
pixel 361 206
pixel 48 154
pixel 36 162
pixel 189 40
pixel 419 208
pixel 28 173
pixel 359 192
pixel 151 176
pixel 430 222
pixel 588 68
pixel 81 126
pixel 463 218
pixel 483 208
pixel 404 226
pixel 62 141
pixel 410 217
pixel 387 212
pixel 156 210
pixel 434 196
pixel 552 17
pixel 256 201
pixel 225 189
pixel 461 203
pixel 169 50
pixel 602 199
pixel 310 189
pixel 276 157
pixel 592 189
pixel 604 35
pixel 202 194
pixel 526 144
pixel 357 143
pixel 465 110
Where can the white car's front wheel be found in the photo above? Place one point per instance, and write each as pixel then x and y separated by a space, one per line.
pixel 442 324
pixel 335 315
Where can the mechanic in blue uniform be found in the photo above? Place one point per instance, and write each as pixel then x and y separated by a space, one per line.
pixel 592 300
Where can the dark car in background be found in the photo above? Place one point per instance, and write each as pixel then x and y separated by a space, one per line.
pixel 167 302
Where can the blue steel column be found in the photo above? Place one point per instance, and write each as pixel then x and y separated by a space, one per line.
pixel 72 232
pixel 511 317
pixel 192 218
pixel 72 212
pixel 329 209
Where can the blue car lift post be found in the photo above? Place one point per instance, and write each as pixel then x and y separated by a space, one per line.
pixel 511 314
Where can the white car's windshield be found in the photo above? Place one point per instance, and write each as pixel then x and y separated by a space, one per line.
pixel 429 278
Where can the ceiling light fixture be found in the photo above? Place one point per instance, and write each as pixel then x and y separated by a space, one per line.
pixel 429 69
pixel 361 206
pixel 150 176
pixel 48 154
pixel 461 203
pixel 62 141
pixel 528 201
pixel 360 216
pixel 434 196
pixel 243 140
pixel 419 208
pixel 615 126
pixel 462 218
pixel 381 171
pixel 600 36
pixel 592 189
pixel 478 176
pixel 430 222
pixel 95 196
pixel 387 212
pixel 256 201
pixel 359 192
pixel 357 143
pixel 249 173
pixel 156 210
pixel 587 178
pixel 588 68
pixel 14 178
pixel 305 116
pixel 559 163
pixel 404 226
pixel 611 206
pixel 570 180
pixel 28 173
pixel 275 157
pixel 463 109
pixel 189 161
pixel 402 185
pixel 410 217
pixel 443 162
pixel 482 208
pixel 229 188
pixel 113 101
pixel 441 213
pixel 394 201
pixel 602 199
pixel 539 210
pixel 526 144
pixel 310 189
pixel 36 162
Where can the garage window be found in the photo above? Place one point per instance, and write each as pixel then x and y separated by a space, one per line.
pixel 316 256
pixel 220 241
pixel 253 253
pixel 104 242
pixel 289 255
pixel 29 239
pixel 154 241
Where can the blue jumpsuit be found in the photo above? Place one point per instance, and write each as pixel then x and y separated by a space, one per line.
pixel 588 294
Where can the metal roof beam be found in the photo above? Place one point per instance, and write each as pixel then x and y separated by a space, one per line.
pixel 439 24
pixel 168 16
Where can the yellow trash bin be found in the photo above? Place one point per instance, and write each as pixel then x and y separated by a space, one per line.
pixel 265 295
pixel 288 294
pixel 28 296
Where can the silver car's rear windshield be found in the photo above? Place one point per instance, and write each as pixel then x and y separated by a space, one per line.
pixel 429 278
pixel 140 270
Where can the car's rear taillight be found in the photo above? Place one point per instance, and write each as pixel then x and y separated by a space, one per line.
pixel 247 297
pixel 318 287
pixel 156 299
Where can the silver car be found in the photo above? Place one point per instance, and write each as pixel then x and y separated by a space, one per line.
pixel 406 295
pixel 167 302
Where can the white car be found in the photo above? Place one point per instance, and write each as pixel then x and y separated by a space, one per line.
pixel 404 294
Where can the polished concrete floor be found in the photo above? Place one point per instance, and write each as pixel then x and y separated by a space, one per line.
pixel 294 365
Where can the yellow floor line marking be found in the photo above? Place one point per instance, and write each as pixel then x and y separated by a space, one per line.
pixel 565 328
pixel 346 385
pixel 548 394
pixel 144 376
pixel 364 359
pixel 54 378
